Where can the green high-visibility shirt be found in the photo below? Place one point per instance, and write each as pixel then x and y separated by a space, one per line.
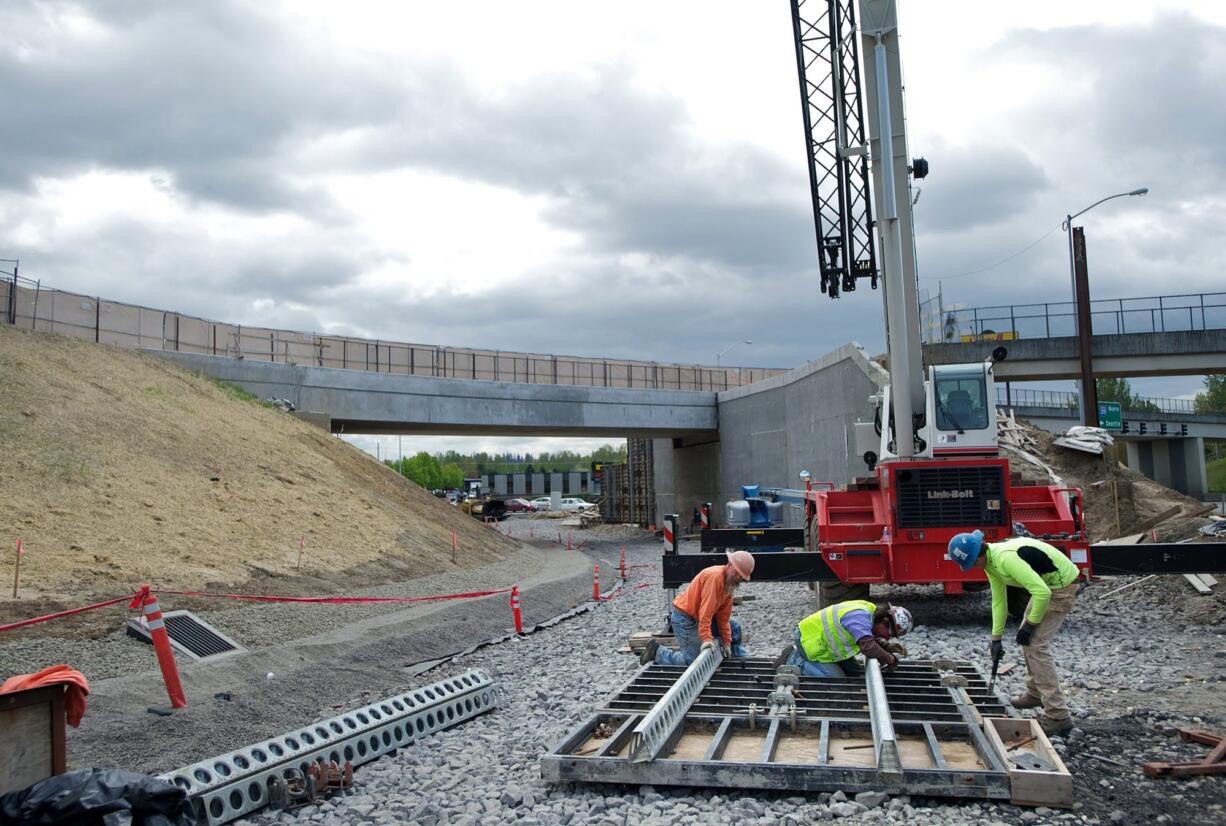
pixel 1024 562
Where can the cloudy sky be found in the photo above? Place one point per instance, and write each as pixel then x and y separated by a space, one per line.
pixel 615 179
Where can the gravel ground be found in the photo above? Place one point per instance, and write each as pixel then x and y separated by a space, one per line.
pixel 256 624
pixel 1133 670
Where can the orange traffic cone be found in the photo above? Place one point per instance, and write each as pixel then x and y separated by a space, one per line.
pixel 519 620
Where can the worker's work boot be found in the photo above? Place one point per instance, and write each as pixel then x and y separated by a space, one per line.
pixel 1025 700
pixel 649 653
pixel 1053 727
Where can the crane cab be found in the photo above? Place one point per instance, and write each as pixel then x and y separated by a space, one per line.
pixel 959 417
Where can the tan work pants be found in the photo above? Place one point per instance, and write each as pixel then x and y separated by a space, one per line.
pixel 1041 679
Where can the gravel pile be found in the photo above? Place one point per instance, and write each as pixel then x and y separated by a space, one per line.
pixel 1133 668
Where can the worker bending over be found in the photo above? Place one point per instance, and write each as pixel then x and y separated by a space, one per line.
pixel 826 643
pixel 702 614
pixel 1051 579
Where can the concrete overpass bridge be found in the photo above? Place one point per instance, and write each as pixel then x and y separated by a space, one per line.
pixel 1180 353
pixel 1148 336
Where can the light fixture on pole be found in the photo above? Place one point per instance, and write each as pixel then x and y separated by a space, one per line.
pixel 720 354
pixel 1081 310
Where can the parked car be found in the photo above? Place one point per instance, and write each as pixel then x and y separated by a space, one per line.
pixel 519 506
pixel 571 503
pixel 542 503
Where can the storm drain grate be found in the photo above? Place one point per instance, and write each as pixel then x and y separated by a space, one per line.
pixel 189 634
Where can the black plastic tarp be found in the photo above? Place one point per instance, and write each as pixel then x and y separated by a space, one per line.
pixel 98 797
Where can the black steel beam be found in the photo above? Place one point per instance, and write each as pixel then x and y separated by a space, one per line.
pixel 1156 558
pixel 787 566
pixel 714 539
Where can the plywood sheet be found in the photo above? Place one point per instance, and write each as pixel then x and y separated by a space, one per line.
pixel 745 745
pixel 960 754
pixel 852 751
pixel 26 756
pixel 798 747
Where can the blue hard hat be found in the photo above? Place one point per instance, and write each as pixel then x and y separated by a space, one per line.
pixel 965 547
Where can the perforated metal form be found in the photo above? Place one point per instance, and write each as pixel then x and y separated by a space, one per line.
pixel 231 785
pixel 658 726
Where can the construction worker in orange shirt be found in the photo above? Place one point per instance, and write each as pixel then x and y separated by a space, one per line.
pixel 702 614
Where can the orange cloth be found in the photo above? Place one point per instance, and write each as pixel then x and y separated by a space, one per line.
pixel 76 687
pixel 705 601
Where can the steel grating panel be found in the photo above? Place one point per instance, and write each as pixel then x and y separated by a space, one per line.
pixel 190 635
pixel 730 738
pixel 229 786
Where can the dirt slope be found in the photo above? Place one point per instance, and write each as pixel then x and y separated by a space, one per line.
pixel 1106 484
pixel 117 468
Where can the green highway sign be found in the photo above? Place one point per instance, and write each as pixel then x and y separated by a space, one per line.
pixel 1110 416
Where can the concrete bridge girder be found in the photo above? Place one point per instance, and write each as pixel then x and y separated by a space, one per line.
pixel 359 402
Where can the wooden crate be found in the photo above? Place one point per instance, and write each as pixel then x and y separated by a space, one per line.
pixel 32 731
pixel 1029 787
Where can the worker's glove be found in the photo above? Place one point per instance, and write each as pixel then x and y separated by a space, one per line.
pixel 709 645
pixel 895 648
pixel 727 649
pixel 1025 633
pixel 998 649
pixel 892 665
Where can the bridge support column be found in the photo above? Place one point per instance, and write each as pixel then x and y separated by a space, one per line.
pixel 686 475
pixel 1176 463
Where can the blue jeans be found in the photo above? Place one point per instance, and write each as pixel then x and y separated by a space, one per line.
pixel 685 628
pixel 809 667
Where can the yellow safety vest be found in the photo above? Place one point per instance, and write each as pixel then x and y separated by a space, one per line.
pixel 823 636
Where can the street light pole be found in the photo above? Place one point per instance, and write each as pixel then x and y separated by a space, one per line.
pixel 720 354
pixel 1082 327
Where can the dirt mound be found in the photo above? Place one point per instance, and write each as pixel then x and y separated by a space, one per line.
pixel 1118 501
pixel 121 468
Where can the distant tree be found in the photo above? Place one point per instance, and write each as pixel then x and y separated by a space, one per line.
pixel 451 476
pixel 610 454
pixel 1213 399
pixel 1120 390
pixel 423 469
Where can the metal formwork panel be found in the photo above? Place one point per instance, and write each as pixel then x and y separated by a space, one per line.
pixel 904 732
pixel 231 785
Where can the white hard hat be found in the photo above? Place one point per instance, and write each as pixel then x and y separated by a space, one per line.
pixel 901 618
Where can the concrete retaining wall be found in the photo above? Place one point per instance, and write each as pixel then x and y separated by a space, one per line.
pixel 770 431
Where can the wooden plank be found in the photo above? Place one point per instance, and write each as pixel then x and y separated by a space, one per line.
pixel 1203 511
pixel 1030 787
pixel 1130 539
pixel 1200 586
pixel 1155 521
